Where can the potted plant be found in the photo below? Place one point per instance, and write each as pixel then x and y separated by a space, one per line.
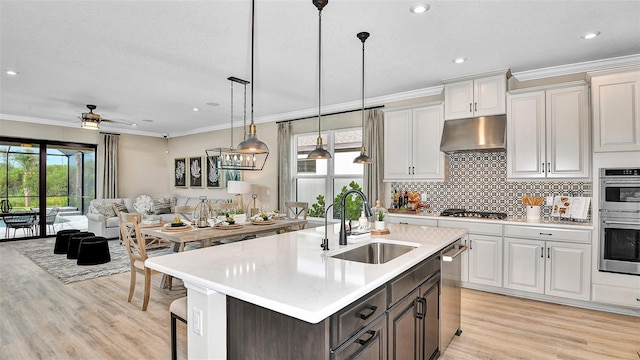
pixel 240 217
pixel 379 222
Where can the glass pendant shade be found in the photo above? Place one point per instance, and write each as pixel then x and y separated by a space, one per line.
pixel 319 152
pixel 363 158
pixel 91 125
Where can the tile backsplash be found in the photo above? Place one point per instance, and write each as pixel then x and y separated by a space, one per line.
pixel 478 182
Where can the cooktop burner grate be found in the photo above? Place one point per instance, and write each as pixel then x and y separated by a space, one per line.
pixel 473 214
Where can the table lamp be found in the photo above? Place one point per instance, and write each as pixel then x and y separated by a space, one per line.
pixel 238 188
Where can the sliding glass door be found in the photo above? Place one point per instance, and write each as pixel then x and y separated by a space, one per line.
pixel 43 184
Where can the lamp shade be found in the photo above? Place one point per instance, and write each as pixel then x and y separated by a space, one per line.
pixel 238 187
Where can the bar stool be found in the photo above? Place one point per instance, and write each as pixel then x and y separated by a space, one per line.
pixel 62 241
pixel 93 250
pixel 74 243
pixel 178 309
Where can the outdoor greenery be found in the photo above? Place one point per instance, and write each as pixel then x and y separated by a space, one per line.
pixel 318 208
pixel 353 204
pixel 19 180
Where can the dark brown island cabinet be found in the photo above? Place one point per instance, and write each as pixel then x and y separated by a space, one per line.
pixel 398 320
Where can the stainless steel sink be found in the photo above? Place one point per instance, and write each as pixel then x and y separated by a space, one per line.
pixel 375 253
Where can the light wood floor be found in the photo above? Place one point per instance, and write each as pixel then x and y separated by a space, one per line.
pixel 41 318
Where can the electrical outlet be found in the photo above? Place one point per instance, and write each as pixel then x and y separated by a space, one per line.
pixel 549 201
pixel 197 321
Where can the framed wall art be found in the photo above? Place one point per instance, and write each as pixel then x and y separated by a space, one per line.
pixel 180 173
pixel 232 175
pixel 196 172
pixel 214 174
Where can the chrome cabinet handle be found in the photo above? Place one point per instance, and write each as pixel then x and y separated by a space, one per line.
pixel 620 222
pixel 448 257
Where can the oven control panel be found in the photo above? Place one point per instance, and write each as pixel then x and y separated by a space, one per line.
pixel 620 172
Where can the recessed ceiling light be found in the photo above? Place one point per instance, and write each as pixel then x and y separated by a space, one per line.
pixel 11 72
pixel 213 104
pixel 419 8
pixel 591 35
pixel 459 60
pixel 196 109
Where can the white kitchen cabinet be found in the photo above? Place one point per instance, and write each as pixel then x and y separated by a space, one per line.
pixel 485 260
pixel 615 105
pixel 548 133
pixel 568 270
pixel 524 265
pixel 475 97
pixel 412 144
pixel 557 268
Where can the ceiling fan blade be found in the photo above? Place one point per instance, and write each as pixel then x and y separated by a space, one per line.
pixel 123 122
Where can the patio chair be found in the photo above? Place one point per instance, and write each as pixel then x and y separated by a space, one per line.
pixel 24 222
pixel 50 219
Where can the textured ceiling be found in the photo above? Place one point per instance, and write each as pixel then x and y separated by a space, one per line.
pixel 156 60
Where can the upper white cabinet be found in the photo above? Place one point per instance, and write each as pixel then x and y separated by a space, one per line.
pixel 616 112
pixel 548 133
pixel 412 143
pixel 475 97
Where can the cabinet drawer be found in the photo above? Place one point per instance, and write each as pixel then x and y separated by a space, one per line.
pixel 415 220
pixel 473 227
pixel 369 344
pixel 543 233
pixel 412 278
pixel 348 321
pixel 616 295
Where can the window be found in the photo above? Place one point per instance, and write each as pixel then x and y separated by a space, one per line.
pixel 326 177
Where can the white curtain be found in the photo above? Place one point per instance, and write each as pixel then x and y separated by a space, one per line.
pixel 374 142
pixel 107 166
pixel 284 163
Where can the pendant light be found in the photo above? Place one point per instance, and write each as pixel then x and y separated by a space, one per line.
pixel 251 143
pixel 319 152
pixel 363 158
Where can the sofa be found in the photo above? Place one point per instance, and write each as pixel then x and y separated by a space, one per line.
pixel 102 216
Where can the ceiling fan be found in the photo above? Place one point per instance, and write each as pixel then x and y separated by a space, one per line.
pixel 92 120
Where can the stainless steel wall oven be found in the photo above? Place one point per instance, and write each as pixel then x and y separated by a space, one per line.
pixel 620 220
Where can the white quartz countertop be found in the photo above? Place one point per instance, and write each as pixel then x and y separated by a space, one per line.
pixel 290 273
pixel 552 222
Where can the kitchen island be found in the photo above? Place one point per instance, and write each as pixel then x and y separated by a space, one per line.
pixel 288 274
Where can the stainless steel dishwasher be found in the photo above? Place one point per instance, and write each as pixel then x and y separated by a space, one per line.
pixel 450 278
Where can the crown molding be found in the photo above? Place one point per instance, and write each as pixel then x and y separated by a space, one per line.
pixel 560 70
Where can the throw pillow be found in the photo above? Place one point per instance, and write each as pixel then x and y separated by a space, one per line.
pixel 143 204
pixel 118 208
pixel 162 206
pixel 105 209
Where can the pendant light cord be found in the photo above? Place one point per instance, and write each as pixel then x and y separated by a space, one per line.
pixel 319 69
pixel 231 146
pixel 363 90
pixel 253 22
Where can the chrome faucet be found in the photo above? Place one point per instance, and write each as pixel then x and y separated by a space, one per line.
pixel 325 240
pixel 367 213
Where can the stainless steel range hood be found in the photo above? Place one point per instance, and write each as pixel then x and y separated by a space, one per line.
pixel 486 133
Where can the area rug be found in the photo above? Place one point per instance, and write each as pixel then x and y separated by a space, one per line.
pixel 68 271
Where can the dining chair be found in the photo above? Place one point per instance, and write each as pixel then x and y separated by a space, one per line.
pixel 135 243
pixel 178 310
pixel 296 210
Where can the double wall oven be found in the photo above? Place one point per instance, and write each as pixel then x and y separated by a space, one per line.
pixel 620 220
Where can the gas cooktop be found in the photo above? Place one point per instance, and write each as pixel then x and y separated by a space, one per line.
pixel 474 214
